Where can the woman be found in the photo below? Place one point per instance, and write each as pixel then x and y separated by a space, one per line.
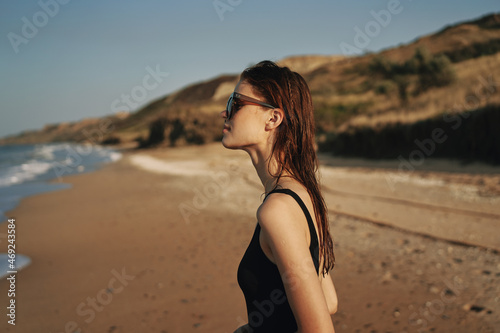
pixel 284 272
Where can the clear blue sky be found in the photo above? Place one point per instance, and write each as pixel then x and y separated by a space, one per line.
pixel 76 59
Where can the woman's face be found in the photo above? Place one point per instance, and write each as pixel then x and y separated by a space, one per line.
pixel 247 126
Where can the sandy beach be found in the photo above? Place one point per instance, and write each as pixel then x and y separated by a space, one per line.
pixel 152 242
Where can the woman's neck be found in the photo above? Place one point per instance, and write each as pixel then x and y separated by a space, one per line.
pixel 266 167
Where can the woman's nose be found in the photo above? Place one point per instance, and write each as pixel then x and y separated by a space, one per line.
pixel 223 114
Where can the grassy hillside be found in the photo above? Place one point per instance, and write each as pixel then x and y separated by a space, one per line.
pixel 452 71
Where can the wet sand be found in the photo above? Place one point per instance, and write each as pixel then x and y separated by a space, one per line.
pixel 152 243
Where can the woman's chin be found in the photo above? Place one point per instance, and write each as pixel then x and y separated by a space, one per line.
pixel 226 142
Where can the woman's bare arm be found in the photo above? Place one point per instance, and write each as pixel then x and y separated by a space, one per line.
pixel 282 223
pixel 329 292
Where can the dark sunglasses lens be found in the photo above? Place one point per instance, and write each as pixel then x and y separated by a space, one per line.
pixel 229 106
pixel 233 105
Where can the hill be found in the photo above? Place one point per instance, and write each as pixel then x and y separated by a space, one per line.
pixel 452 71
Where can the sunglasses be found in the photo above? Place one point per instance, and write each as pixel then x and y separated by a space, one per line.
pixel 236 102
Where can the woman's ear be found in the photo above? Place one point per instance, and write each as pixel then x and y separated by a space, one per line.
pixel 276 116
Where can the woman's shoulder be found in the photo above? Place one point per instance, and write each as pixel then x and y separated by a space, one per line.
pixel 274 203
pixel 281 208
pixel 284 195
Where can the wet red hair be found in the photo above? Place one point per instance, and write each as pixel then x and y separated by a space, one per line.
pixel 294 145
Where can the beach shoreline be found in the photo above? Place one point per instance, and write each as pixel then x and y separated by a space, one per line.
pixel 30 169
pixel 152 242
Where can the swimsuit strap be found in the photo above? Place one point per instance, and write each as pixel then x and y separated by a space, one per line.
pixel 312 230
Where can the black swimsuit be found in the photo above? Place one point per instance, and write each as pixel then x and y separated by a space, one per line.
pixel 260 280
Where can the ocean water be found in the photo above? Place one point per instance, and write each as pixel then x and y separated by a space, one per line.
pixel 27 169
